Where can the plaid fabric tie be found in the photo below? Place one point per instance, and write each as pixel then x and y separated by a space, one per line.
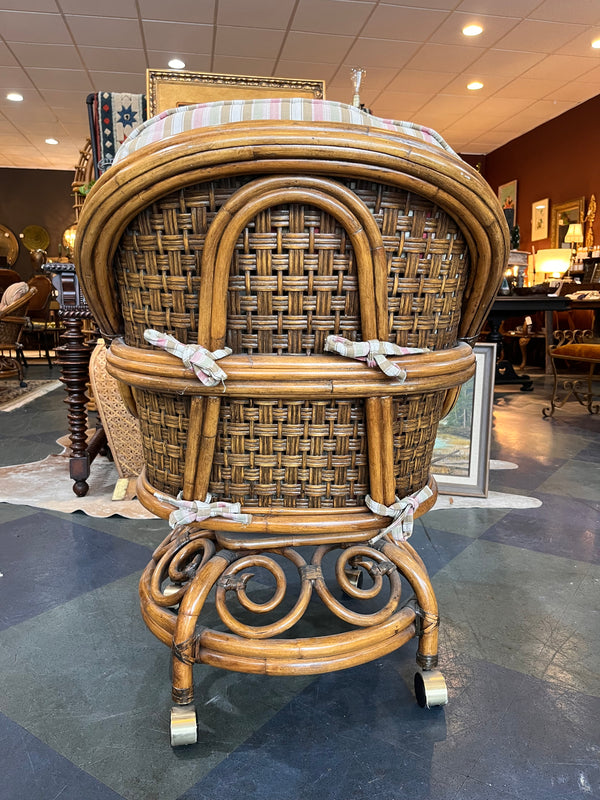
pixel 197 511
pixel 374 353
pixel 194 356
pixel 402 512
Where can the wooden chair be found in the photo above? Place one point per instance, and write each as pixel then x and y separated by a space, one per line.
pixel 269 237
pixel 12 321
pixel 574 348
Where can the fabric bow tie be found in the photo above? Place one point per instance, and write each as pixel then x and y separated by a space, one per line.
pixel 374 353
pixel 194 356
pixel 402 513
pixel 197 511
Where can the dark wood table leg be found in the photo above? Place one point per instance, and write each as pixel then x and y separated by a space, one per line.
pixel 505 372
pixel 73 358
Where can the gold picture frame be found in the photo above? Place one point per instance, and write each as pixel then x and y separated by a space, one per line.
pixel 563 214
pixel 172 88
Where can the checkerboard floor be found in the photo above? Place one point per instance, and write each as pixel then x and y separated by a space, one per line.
pixel 85 691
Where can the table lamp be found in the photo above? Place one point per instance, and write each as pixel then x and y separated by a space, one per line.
pixel 574 236
pixel 553 262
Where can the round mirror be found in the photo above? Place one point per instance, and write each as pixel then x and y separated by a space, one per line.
pixel 9 247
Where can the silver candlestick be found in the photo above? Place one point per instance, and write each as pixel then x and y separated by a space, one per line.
pixel 357 76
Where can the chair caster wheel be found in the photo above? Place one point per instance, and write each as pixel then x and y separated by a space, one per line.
pixel 184 726
pixel 355 577
pixel 430 688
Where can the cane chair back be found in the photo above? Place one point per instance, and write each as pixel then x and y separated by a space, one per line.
pixel 352 237
pixel 281 247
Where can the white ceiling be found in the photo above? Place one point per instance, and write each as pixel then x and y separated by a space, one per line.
pixel 534 59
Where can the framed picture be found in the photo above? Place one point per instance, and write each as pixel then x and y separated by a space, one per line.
pixel 461 454
pixel 539 220
pixel 172 88
pixel 507 195
pixel 563 215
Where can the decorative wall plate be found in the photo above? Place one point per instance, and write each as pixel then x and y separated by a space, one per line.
pixel 35 237
pixel 9 245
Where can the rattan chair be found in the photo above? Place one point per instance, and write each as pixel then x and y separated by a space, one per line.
pixel 12 321
pixel 269 238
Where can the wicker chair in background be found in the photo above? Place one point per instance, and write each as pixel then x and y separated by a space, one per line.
pixel 268 238
pixel 12 321
pixel 39 326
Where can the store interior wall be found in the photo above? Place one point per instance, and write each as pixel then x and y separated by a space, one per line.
pixel 557 160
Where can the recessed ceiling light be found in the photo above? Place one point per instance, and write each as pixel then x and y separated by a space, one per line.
pixel 474 85
pixel 472 30
pixel 15 97
pixel 596 44
pixel 51 141
pixel 176 63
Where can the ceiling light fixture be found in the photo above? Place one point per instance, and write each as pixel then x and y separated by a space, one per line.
pixel 596 44
pixel 176 63
pixel 51 141
pixel 475 85
pixel 15 97
pixel 472 30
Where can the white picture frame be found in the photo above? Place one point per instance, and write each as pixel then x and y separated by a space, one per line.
pixel 539 219
pixel 461 454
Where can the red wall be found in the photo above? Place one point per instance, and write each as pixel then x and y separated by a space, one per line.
pixel 559 160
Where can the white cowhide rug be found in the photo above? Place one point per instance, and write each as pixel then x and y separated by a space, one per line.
pixel 46 484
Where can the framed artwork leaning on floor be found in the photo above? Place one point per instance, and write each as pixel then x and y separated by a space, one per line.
pixel 461 454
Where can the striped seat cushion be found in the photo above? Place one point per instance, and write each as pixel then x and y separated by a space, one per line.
pixel 200 115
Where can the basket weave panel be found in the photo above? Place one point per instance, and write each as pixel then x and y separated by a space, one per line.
pixel 416 419
pixel 164 421
pixel 291 454
pixel 9 331
pixel 293 277
pixel 292 282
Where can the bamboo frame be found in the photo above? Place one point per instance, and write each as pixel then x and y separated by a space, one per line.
pixel 292 165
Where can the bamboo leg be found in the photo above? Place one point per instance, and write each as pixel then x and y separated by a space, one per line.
pixel 183 638
pixel 427 653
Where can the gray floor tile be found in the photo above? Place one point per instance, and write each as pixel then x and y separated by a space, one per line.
pixel 502 603
pixel 91 682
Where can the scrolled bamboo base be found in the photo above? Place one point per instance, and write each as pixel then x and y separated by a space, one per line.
pixel 191 562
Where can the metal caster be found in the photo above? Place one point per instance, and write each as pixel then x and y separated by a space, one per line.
pixel 184 726
pixel 355 577
pixel 171 588
pixel 430 688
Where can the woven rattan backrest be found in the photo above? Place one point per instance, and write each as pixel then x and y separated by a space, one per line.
pixel 293 274
pixel 292 283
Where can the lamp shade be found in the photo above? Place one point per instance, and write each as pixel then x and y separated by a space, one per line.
pixel 553 261
pixel 574 234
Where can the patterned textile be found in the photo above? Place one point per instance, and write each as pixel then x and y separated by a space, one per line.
pixel 402 513
pixel 194 356
pixel 116 116
pixel 374 353
pixel 197 511
pixel 200 115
